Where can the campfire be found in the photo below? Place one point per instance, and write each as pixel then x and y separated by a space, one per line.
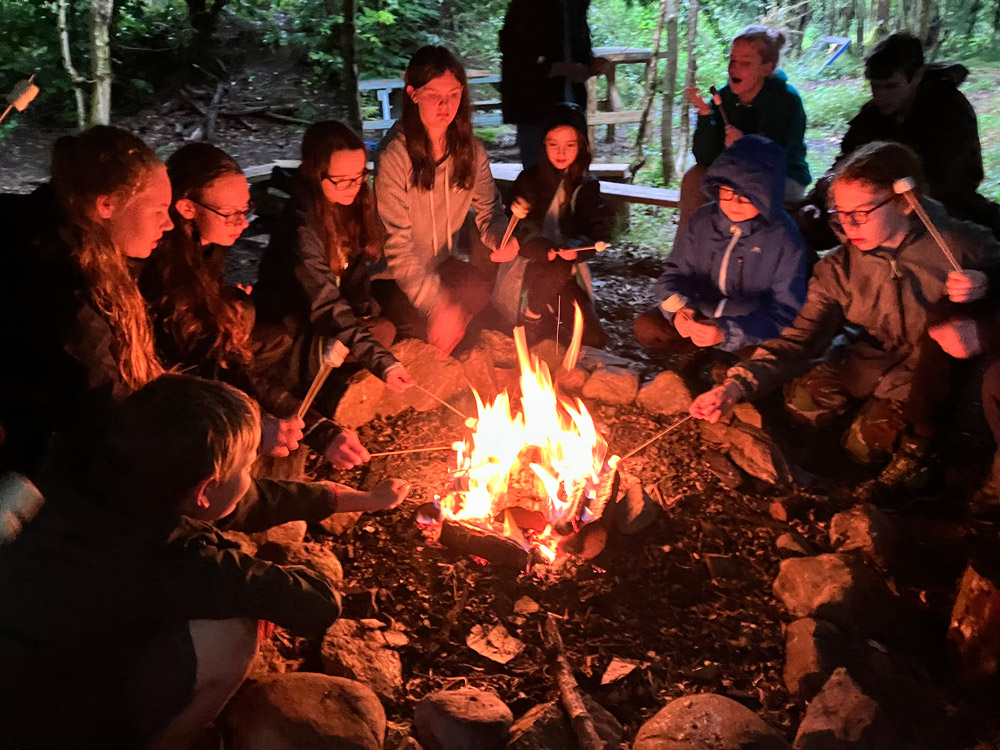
pixel 528 479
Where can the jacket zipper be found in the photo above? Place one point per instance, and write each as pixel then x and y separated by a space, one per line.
pixel 724 269
pixel 739 262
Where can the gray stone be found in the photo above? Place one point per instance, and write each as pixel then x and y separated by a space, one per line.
pixel 793 544
pixel 442 376
pixel 829 587
pixel 351 650
pixel 501 347
pixel 357 406
pixel 315 556
pixel 546 727
pixel 635 510
pixel 789 508
pixel 464 719
pixel 665 394
pixel 748 414
pixel 757 454
pixel 571 381
pixel 480 371
pixel 842 717
pixel 707 722
pixel 974 631
pixel 612 385
pixel 591 359
pixel 813 650
pixel 549 352
pixel 304 711
pixel 292 532
pixel 723 468
pixel 864 529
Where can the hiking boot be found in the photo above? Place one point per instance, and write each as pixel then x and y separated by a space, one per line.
pixel 906 474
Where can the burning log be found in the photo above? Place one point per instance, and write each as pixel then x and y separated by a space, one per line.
pixel 489 545
pixel 569 693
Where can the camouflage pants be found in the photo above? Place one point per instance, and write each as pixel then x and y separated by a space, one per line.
pixel 820 396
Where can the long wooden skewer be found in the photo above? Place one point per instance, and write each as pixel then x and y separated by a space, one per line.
pixel 598 246
pixel 906 187
pixel 328 362
pixel 440 400
pixel 717 100
pixel 412 450
pixel 656 437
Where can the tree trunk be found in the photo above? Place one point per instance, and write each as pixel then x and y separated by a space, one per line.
pixel 348 51
pixel 62 28
pixel 996 19
pixel 977 5
pixel 690 81
pixel 859 12
pixel 881 29
pixel 669 94
pixel 652 69
pixel 100 61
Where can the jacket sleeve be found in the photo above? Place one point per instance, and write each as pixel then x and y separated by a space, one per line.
pixel 330 312
pixel 709 138
pixel 271 502
pixel 592 217
pixel 90 343
pixel 686 269
pixel 419 282
pixel 954 164
pixel 522 42
pixel 204 577
pixel 486 203
pixel 776 361
pixel 788 292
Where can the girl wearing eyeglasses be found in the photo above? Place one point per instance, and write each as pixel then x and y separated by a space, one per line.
pixel 889 281
pixel 314 276
pixel 431 171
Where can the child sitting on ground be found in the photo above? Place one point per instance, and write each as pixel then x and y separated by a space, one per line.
pixel 737 274
pixel 129 619
pixel 565 211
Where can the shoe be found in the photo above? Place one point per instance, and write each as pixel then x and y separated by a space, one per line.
pixel 900 482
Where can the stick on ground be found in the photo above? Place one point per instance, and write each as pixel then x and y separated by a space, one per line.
pixel 569 692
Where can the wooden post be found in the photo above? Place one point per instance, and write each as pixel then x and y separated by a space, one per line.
pixel 669 94
pixel 651 69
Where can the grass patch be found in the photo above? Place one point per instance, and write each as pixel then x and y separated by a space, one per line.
pixel 490 136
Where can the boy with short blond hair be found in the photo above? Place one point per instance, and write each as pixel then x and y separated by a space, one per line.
pixel 128 618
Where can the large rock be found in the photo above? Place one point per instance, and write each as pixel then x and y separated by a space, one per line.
pixel 304 711
pixel 549 352
pixel 464 719
pixel 757 454
pixel 480 371
pixel 444 377
pixel 864 529
pixel 357 406
pixel 829 587
pixel 546 727
pixel 501 346
pixel 339 523
pixel 813 650
pixel 635 510
pixel 665 394
pixel 793 544
pixel 292 532
pixel 612 385
pixel 350 649
pixel 747 413
pixel 707 722
pixel 842 717
pixel 974 633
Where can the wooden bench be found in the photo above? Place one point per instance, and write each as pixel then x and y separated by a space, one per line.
pixel 507 173
pixel 641 194
pixel 383 88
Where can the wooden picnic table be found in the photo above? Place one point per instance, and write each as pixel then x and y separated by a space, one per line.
pixel 384 87
pixel 614 115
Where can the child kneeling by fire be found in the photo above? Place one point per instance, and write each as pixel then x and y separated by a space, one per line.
pixel 129 620
pixel 884 287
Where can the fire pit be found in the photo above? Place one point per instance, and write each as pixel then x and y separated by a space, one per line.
pixel 525 480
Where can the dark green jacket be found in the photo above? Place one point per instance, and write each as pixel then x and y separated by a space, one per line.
pixel 776 113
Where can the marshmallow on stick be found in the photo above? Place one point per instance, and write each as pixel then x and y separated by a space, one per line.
pixel 717 100
pixel 563 252
pixel 519 209
pixel 23 94
pixel 906 187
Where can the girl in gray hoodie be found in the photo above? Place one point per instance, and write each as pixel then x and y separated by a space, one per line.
pixel 430 171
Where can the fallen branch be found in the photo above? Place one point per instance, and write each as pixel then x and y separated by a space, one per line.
pixel 569 693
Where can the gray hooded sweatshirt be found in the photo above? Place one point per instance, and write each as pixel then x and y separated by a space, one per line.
pixel 422 226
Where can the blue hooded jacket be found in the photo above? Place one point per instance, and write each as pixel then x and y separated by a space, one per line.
pixel 749 276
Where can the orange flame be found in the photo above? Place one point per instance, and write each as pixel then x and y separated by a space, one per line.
pixel 548 455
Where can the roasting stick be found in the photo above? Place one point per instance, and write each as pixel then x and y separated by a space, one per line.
pixel 518 210
pixel 442 401
pixel 656 437
pixel 332 357
pixel 598 246
pixel 717 100
pixel 907 187
pixel 413 450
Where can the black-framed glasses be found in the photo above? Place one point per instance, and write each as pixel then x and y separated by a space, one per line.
pixel 346 183
pixel 859 217
pixel 726 193
pixel 232 218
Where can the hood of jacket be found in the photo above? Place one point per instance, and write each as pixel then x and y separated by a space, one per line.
pixel 753 167
pixel 945 72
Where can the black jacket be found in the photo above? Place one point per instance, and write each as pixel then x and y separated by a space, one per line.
pixel 535 34
pixel 298 290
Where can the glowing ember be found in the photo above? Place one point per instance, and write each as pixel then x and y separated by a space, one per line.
pixel 546 457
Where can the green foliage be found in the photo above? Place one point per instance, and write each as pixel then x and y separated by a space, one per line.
pixel 490 136
pixel 833 103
